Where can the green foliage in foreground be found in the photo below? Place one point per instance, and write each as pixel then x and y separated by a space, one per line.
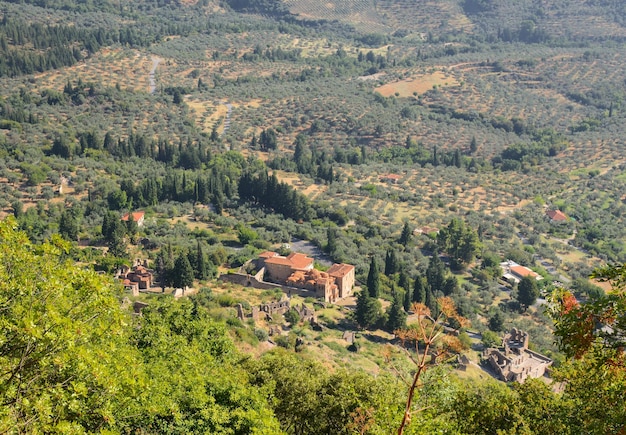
pixel 73 361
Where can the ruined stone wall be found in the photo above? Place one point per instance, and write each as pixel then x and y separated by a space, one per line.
pixel 251 281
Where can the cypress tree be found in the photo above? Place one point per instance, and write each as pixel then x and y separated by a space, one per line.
pixel 200 269
pixel 403 279
pixel 435 273
pixel 391 262
pixel 68 225
pixel 331 245
pixel 431 303
pixel 367 310
pixel 419 290
pixel 450 285
pixel 183 272
pixel 473 145
pixel 117 246
pixel 405 236
pixel 406 302
pixel 165 265
pixel 373 279
pixel 396 317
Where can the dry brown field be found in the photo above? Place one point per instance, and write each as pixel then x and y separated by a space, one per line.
pixel 417 85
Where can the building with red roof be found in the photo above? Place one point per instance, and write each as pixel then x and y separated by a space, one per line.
pixel 296 270
pixel 280 268
pixel 556 215
pixel 138 216
pixel 343 275
pixel 514 273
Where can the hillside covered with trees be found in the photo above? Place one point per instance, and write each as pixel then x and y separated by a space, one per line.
pixel 426 143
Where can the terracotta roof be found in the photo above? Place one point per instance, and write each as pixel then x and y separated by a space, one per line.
pixel 136 216
pixel 556 215
pixel 300 261
pixel 267 254
pixel 294 260
pixel 523 271
pixel 340 270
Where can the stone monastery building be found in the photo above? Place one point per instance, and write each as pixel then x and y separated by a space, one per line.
pixel 296 270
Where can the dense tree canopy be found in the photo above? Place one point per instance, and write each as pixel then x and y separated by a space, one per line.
pixel 527 291
pixel 72 362
pixel 64 353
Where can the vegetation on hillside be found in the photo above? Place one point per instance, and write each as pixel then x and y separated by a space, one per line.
pixel 423 145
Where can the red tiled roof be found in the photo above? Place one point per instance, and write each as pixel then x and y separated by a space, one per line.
pixel 556 215
pixel 300 261
pixel 267 254
pixel 294 260
pixel 340 270
pixel 136 216
pixel 523 271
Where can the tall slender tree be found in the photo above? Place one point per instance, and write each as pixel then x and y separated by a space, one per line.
pixel 396 316
pixel 405 235
pixel 406 299
pixel 68 225
pixel 373 279
pixel 391 262
pixel 183 272
pixel 331 236
pixel 200 263
pixel 367 311
pixel 435 273
pixel 419 290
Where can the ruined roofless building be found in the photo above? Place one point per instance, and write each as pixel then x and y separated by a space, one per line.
pixel 514 362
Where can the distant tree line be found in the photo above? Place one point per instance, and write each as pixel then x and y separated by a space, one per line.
pixel 265 190
pixel 30 47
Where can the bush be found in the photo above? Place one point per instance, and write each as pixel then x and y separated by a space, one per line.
pixel 491 339
pixel 235 322
pixel 261 334
pixel 292 317
pixel 354 347
pixel 226 300
pixel 282 341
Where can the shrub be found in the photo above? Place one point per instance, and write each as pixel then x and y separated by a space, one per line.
pixel 354 347
pixel 282 341
pixel 226 300
pixel 261 334
pixel 235 322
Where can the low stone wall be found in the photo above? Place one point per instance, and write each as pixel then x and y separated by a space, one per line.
pixel 247 280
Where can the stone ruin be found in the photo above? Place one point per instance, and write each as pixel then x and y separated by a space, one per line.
pixel 462 362
pixel 514 362
pixel 306 314
pixel 280 307
pixel 348 336
pixel 240 314
pixel 275 330
pixel 270 309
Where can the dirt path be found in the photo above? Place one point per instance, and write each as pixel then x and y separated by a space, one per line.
pixel 155 63
pixel 229 109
